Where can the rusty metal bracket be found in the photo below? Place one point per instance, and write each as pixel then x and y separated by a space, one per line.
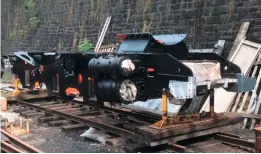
pixel 183 119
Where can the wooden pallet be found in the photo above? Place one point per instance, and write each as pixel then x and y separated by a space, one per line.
pixel 107 48
pixel 247 102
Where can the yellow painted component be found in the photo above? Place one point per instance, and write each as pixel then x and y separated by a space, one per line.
pixel 164 103
pixel 16 85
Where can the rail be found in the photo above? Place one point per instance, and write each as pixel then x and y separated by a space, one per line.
pixel 12 144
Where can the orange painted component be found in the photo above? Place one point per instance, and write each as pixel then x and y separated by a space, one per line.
pixel 160 41
pixel 36 85
pixel 150 70
pixel 16 84
pixel 121 36
pixel 72 91
pixel 79 78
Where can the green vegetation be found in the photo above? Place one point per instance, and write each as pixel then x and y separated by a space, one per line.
pixel 34 22
pixel 32 13
pixel 86 46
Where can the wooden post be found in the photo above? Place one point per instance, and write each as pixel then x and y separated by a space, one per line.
pixel 27 126
pixel 11 128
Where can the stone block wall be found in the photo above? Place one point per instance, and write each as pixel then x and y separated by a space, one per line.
pixel 62 24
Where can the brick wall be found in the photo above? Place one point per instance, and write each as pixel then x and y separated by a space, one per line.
pixel 65 22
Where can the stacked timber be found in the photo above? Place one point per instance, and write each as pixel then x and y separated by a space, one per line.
pixel 107 48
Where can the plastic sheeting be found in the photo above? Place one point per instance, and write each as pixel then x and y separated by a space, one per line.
pixel 155 105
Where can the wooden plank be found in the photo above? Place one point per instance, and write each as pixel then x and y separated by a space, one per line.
pixel 34 114
pixel 252 100
pixel 149 133
pixel 75 109
pixel 48 119
pixel 74 127
pixel 253 44
pixel 135 147
pixel 241 34
pixel 244 58
pixel 237 101
pixel 247 115
pixel 58 123
pixel 117 141
pixel 253 122
pixel 89 113
pixel 190 135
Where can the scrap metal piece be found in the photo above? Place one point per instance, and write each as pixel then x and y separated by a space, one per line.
pixel 171 39
pixel 244 84
pixel 24 56
pixel 182 89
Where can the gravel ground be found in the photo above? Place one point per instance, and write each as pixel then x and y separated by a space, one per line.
pixel 54 140
pixel 242 133
pixel 215 146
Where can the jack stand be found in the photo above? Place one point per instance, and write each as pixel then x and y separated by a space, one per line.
pixel 16 85
pixel 184 119
pixel 164 107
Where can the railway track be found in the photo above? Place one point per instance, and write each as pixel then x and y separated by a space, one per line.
pixel 120 122
pixel 12 144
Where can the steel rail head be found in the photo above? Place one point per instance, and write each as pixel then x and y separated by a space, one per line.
pixel 9 148
pixel 235 141
pixel 21 143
